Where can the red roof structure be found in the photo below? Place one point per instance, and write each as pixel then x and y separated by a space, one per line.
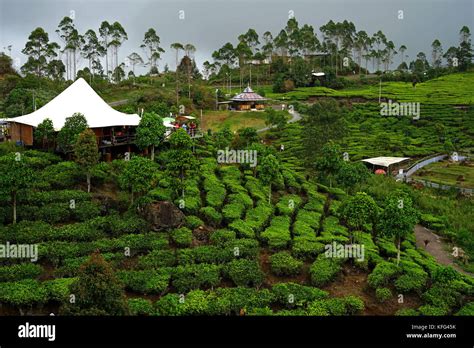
pixel 248 95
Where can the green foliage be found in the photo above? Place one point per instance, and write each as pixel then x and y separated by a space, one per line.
pixel 292 294
pixel 277 235
pixel 220 237
pixel 97 290
pixel 140 306
pixel 145 282
pixel 69 133
pixel 283 264
pixel 150 131
pixel 19 272
pixel 245 273
pixel 324 269
pixel 383 294
pixel 137 175
pixel 359 210
pixel 190 277
pixel 211 215
pixel 183 237
pixel 22 293
pixel 382 274
pixel 467 309
pixel 193 222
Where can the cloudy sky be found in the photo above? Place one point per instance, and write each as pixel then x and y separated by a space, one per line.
pixel 208 24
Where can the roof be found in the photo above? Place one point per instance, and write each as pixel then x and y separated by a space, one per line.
pixel 78 97
pixel 385 161
pixel 248 95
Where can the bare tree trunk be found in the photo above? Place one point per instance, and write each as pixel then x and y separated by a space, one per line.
pixel 14 207
pixel 88 175
pixel 152 157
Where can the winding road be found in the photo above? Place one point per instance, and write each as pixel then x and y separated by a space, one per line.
pixel 295 117
pixel 436 247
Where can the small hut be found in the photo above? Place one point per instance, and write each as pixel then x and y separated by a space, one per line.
pixel 248 100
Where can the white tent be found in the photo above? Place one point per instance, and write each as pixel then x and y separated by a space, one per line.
pixel 385 161
pixel 81 98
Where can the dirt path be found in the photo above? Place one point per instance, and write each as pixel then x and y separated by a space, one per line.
pixel 436 247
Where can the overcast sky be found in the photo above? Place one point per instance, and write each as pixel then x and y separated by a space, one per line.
pixel 208 24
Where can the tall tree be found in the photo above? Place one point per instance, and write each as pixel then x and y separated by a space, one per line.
pixel 45 133
pixel 105 31
pixel 436 53
pixel 92 50
pixel 134 59
pixel 180 158
pixel 269 172
pixel 86 153
pixel 118 35
pixel 402 50
pixel 359 210
pixel 150 132
pixel 465 52
pixel 189 50
pixel 137 176
pixel 73 126
pixel 398 218
pixel 178 47
pixel 40 52
pixel 15 175
pixel 151 46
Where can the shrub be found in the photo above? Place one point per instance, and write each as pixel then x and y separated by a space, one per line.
pixel 58 289
pixel 157 259
pixel 383 294
pixel 193 222
pixel 140 306
pixel 306 248
pixel 414 280
pixel 233 211
pixel 242 228
pixel 19 272
pixel 190 277
pixel 407 312
pixel 183 237
pixel 288 204
pixel 468 309
pixel 283 264
pixel 323 270
pixel 278 234
pixel 25 292
pixel 292 294
pixel 220 237
pixel 211 215
pixel 84 211
pixel 245 272
pixel 169 305
pixel 145 282
pixel 257 217
pixel 429 310
pixel 382 274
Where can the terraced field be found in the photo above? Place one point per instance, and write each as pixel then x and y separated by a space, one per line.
pixel 453 89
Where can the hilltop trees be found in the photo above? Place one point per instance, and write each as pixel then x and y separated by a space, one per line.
pixel 73 42
pixel 41 53
pixel 151 46
pixel 92 50
pixel 465 52
pixel 150 132
pixel 359 210
pixel 86 153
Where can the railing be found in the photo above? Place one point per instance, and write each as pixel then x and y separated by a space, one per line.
pixel 115 140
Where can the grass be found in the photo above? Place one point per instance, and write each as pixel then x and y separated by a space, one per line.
pixel 217 120
pixel 451 89
pixel 448 174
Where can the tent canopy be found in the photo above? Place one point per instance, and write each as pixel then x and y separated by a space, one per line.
pixel 78 98
pixel 385 161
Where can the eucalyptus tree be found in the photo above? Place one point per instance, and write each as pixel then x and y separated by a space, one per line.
pixel 40 51
pixel 189 50
pixel 118 36
pixel 105 31
pixel 178 47
pixel 436 53
pixel 151 46
pixel 465 52
pixel 402 50
pixel 281 42
pixel 92 50
pixel 134 59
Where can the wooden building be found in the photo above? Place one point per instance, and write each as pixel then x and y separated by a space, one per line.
pixel 247 100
